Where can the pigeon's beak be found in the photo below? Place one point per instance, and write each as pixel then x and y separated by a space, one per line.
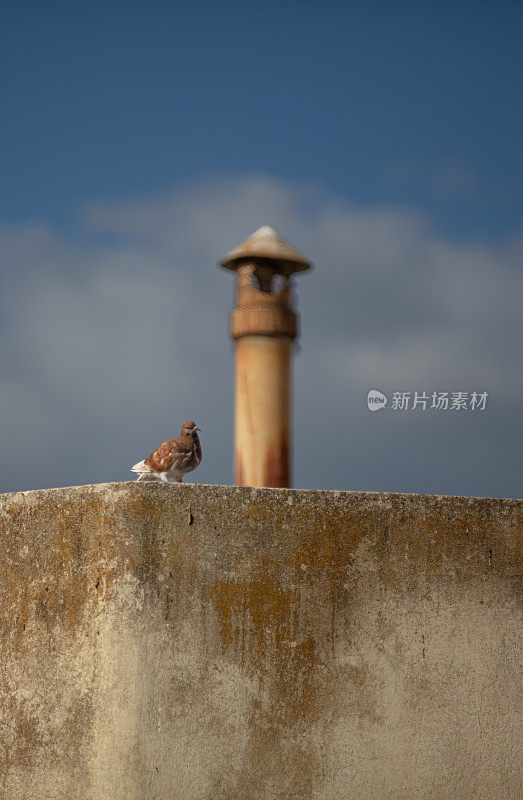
pixel 197 428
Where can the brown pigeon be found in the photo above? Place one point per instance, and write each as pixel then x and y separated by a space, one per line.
pixel 173 458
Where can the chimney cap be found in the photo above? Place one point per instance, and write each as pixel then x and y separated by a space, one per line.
pixel 266 244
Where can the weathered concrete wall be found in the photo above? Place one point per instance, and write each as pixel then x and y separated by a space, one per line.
pixel 193 642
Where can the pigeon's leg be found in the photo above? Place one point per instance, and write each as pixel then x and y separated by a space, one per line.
pixel 179 480
pixel 163 477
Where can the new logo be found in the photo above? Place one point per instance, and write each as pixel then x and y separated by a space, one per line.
pixel 376 400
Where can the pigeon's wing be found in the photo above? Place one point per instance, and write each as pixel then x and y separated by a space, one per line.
pixel 198 450
pixel 162 458
pixel 183 456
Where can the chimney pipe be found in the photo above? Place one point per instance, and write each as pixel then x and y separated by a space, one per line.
pixel 264 327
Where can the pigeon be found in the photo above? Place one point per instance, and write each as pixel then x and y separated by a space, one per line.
pixel 173 458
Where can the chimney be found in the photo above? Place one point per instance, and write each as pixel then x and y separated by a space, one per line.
pixel 264 327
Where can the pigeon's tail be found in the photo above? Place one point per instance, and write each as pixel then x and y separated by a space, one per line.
pixel 144 473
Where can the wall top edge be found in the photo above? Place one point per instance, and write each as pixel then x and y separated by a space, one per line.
pixel 245 491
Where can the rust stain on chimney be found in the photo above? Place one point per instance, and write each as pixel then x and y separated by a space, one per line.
pixel 264 326
pixel 277 467
pixel 239 472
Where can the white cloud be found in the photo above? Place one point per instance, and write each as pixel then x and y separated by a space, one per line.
pixel 111 339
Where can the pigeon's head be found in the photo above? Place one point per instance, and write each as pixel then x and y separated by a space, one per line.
pixel 190 428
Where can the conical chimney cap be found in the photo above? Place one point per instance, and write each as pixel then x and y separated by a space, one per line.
pixel 266 244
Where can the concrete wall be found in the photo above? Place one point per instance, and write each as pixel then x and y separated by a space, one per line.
pixel 193 642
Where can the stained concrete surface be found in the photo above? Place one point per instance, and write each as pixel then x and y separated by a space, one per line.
pixel 195 642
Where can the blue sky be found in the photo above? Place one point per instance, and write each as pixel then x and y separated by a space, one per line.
pixel 140 142
pixel 412 103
